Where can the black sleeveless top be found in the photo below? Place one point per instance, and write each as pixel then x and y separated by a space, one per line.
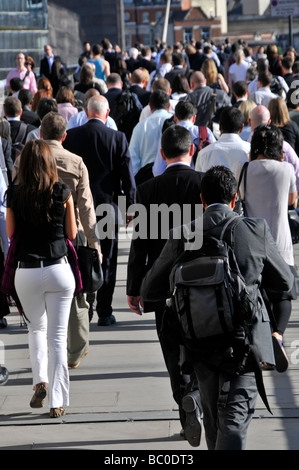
pixel 45 241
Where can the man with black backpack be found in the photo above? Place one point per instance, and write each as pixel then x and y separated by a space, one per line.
pixel 227 364
pixel 18 129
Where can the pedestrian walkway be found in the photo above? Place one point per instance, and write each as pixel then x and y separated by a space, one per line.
pixel 120 398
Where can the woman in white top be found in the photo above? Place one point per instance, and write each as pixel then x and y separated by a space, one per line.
pixel 237 71
pixel 270 189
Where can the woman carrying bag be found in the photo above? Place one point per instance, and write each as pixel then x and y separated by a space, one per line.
pixel 40 217
pixel 270 189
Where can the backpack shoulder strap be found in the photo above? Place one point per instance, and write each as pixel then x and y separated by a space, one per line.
pixel 21 133
pixel 203 132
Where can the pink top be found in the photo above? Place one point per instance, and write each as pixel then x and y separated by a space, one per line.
pixel 66 110
pixel 29 82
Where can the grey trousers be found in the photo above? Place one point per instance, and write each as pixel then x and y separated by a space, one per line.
pixel 228 407
pixel 78 329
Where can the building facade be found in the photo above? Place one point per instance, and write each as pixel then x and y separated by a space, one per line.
pixel 23 27
pixel 188 19
pixel 27 25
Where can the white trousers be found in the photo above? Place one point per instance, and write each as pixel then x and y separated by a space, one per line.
pixel 46 295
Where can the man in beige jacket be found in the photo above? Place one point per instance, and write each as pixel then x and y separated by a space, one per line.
pixel 73 172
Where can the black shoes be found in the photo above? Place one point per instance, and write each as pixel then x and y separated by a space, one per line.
pixel 3 375
pixel 3 322
pixel 106 321
pixel 90 313
pixel 192 428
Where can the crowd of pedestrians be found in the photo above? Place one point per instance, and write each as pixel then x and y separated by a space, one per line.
pixel 145 124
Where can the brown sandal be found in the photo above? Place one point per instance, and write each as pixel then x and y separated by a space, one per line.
pixel 38 399
pixel 57 412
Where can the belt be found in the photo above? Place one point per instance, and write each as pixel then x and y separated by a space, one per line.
pixel 41 263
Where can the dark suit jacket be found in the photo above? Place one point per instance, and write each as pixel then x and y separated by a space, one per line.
pixel 196 60
pixel 106 155
pixel 111 95
pixel 141 93
pixel 179 184
pixel 256 254
pixel 173 73
pixel 149 65
pixel 30 117
pixel 14 128
pixel 44 70
pixel 132 64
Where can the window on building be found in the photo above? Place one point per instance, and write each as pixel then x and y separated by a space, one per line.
pixel 145 17
pixel 159 15
pixel 147 39
pixel 34 3
pixel 188 34
pixel 205 32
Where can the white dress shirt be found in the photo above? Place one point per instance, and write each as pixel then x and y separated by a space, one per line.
pixel 145 139
pixel 229 150
pixel 262 96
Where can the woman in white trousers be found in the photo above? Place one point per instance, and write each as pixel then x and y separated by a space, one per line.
pixel 40 213
pixel 46 295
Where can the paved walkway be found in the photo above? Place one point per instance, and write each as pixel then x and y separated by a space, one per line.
pixel 120 396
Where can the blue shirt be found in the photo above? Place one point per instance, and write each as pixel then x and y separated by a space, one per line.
pixel 81 118
pixel 160 164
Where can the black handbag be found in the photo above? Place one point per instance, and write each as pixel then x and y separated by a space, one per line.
pixel 90 268
pixel 240 206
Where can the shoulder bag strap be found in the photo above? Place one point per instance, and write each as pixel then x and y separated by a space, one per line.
pixel 21 133
pixel 243 173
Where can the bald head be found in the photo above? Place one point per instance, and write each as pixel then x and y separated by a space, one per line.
pixel 138 76
pixel 98 107
pixel 89 94
pixel 197 78
pixel 258 116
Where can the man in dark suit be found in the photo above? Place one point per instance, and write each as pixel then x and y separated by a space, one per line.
pixel 179 185
pixel 106 155
pixel 138 86
pixel 228 401
pixel 46 62
pixel 240 93
pixel 18 129
pixel 28 116
pixel 114 85
pixel 133 61
pixel 146 60
pixel 179 67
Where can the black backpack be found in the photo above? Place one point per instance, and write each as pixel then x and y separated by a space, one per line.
pixel 126 112
pixel 214 306
pixel 275 86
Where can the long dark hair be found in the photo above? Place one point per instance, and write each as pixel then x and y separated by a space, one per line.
pixel 267 140
pixel 36 178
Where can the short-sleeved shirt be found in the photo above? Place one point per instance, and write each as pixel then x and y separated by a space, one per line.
pixel 46 240
pixel 268 185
